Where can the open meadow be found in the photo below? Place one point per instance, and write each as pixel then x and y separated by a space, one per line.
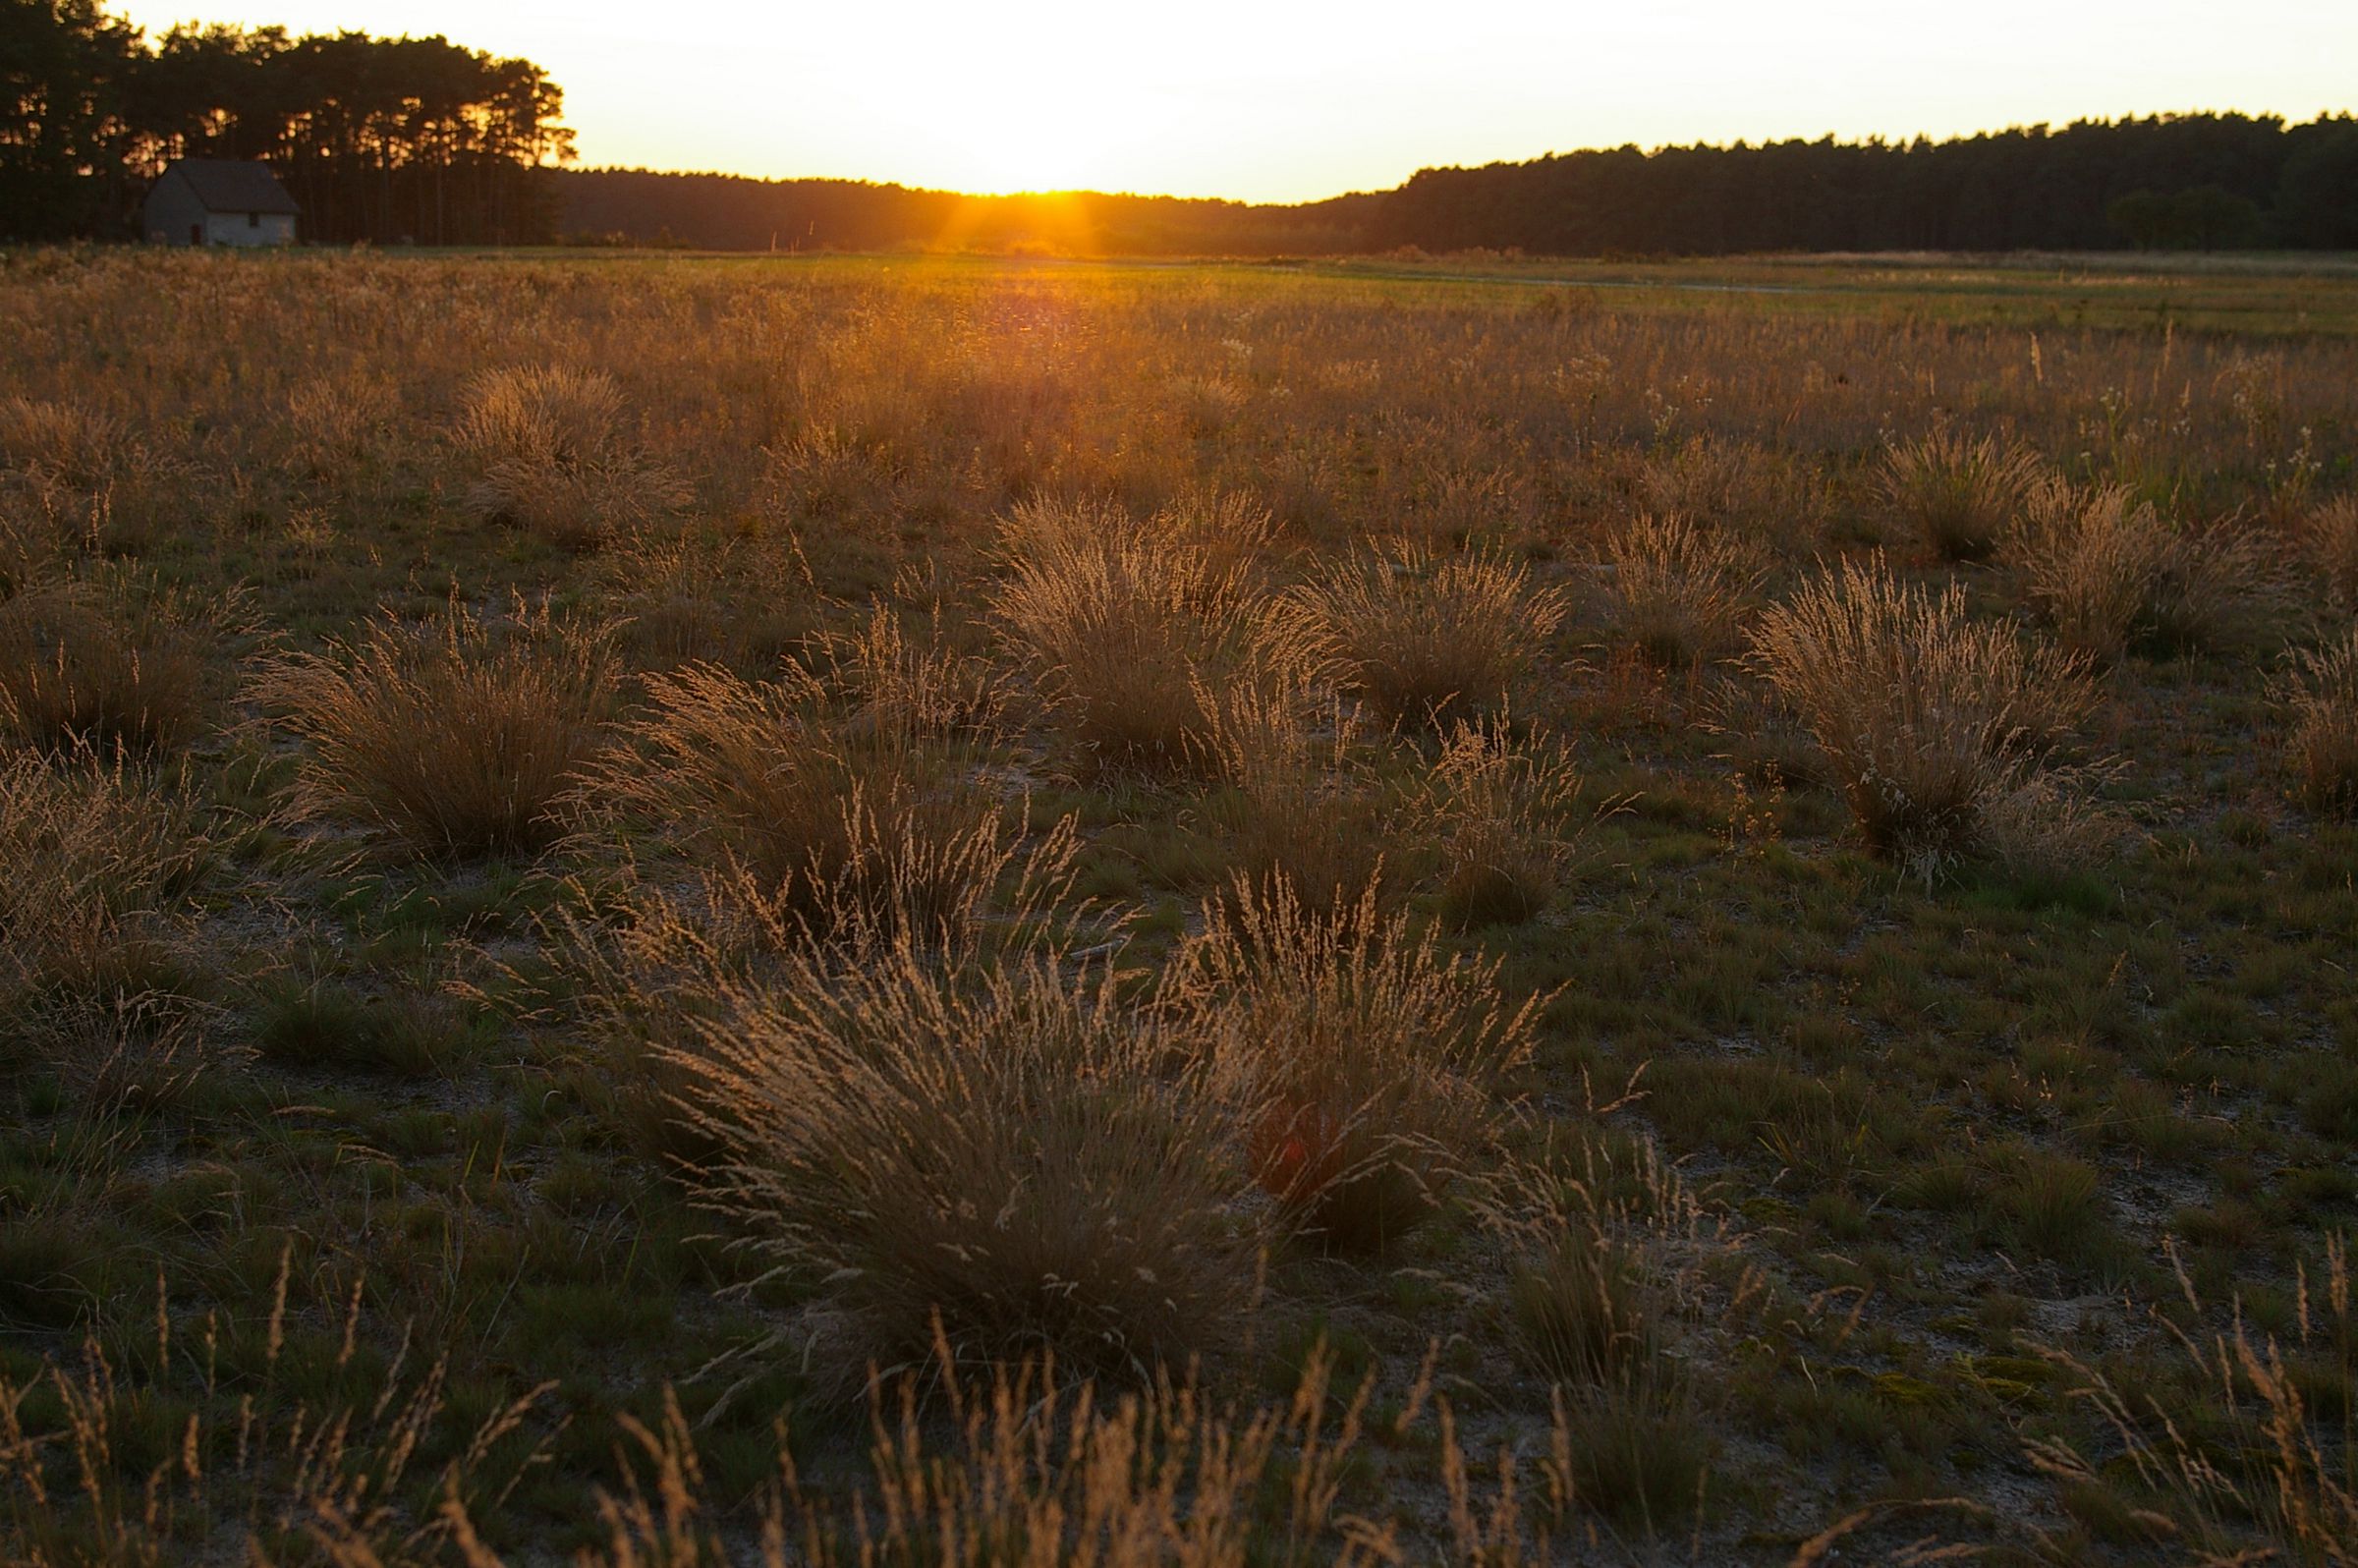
pixel 694 910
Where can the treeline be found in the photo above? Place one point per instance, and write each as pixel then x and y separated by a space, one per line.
pixel 2197 180
pixel 2209 181
pixel 383 139
pixel 726 212
pixel 421 140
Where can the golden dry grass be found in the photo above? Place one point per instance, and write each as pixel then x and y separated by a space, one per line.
pixel 1500 808
pixel 1684 593
pixel 1008 1162
pixel 2319 697
pixel 111 659
pixel 2331 536
pixel 462 735
pixel 1424 635
pixel 551 458
pixel 1366 1064
pixel 1122 627
pixel 1935 726
pixel 1957 497
pixel 985 710
pixel 2113 576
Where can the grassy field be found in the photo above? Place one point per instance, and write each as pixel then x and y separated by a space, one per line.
pixel 683 910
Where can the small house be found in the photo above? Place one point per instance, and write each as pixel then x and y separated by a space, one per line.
pixel 218 202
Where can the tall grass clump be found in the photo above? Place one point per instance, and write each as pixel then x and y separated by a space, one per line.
pixel 853 786
pixel 551 458
pixel 1606 1299
pixel 2113 576
pixel 1499 807
pixel 94 935
pixel 1422 637
pixel 1121 629
pixel 1938 728
pixel 2319 697
pixel 1010 1160
pixel 90 469
pixel 113 660
pixel 2331 536
pixel 460 734
pixel 1369 1069
pixel 1741 488
pixel 1683 593
pixel 1956 496
pixel 1301 809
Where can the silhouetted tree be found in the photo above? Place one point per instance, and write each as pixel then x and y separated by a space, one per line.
pixel 378 139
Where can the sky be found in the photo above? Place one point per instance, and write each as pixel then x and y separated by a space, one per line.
pixel 1288 100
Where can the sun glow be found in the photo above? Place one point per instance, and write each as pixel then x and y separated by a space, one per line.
pixel 1287 100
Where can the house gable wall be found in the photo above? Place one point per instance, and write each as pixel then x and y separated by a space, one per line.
pixel 171 211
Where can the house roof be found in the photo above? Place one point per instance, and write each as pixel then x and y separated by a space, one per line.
pixel 228 184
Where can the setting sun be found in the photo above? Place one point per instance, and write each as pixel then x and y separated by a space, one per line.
pixel 1268 102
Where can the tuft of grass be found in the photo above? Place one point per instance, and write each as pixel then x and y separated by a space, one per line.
pixel 2331 537
pixel 1122 629
pixel 852 791
pixel 1738 487
pixel 2113 576
pixel 2244 1453
pixel 1369 1068
pixel 1302 812
pixel 1498 805
pixel 113 660
pixel 459 736
pixel 1425 636
pixel 1010 1162
pixel 551 459
pixel 2318 696
pixel 1957 496
pixel 93 928
pixel 1683 593
pixel 1939 730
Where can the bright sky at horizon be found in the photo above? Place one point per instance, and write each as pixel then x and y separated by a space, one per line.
pixel 1280 100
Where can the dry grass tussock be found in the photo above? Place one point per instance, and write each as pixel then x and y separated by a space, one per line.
pixel 2331 536
pixel 2318 696
pixel 1122 628
pixel 1941 731
pixel 1425 636
pixel 113 659
pixel 2113 576
pixel 850 787
pixel 696 596
pixel 1304 809
pixel 1682 592
pixel 1009 1159
pixel 94 932
pixel 1499 807
pixel 460 734
pixel 551 457
pixel 2246 1457
pixel 89 469
pixel 1956 496
pixel 1368 1067
pixel 1610 1293
pixel 652 967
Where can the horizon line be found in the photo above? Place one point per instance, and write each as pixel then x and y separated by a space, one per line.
pixel 1741 143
